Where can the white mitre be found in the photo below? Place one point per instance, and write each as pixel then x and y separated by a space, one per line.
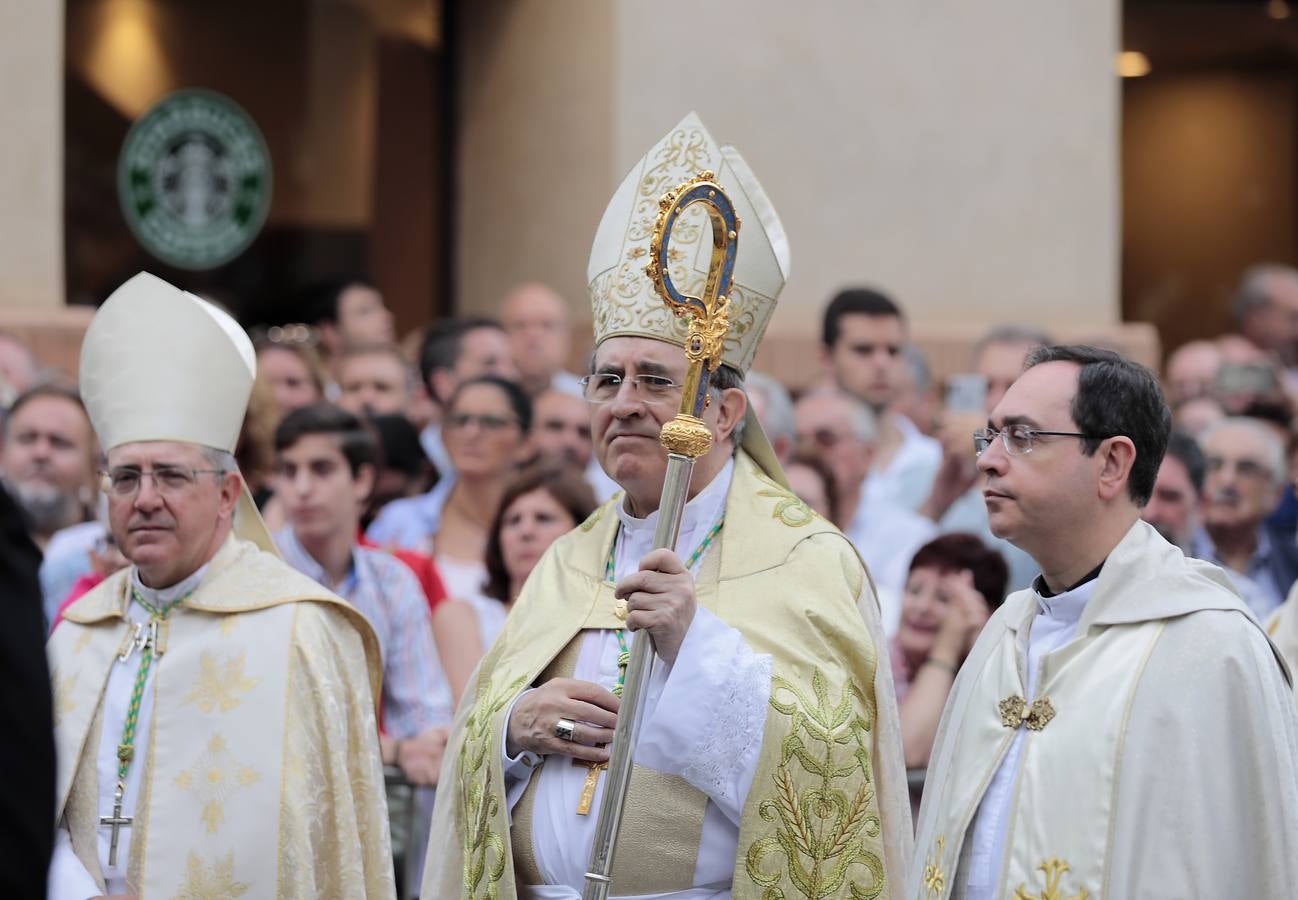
pixel 159 364
pixel 623 299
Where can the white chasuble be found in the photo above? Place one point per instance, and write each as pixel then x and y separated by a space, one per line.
pixel 259 774
pixel 1159 753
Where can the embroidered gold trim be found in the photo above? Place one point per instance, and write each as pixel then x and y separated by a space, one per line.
pixel 789 509
pixel 485 853
pixel 1054 870
pixel 934 877
pixel 1015 711
pixel 821 832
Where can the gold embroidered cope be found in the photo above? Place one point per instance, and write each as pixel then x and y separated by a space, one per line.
pixel 827 815
pixel 261 771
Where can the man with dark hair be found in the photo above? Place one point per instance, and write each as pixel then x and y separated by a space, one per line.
pixel 1124 728
pixel 1266 309
pixel 1173 507
pixel 348 310
pixel 955 500
pixel 325 467
pixel 454 351
pixel 47 459
pixel 863 338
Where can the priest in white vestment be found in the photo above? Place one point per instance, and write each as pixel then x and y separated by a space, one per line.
pixel 214 709
pixel 1123 728
pixel 769 762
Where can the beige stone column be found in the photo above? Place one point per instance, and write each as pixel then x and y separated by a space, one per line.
pixel 31 178
pixel 963 156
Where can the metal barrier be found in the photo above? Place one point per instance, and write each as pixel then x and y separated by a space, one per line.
pixel 410 810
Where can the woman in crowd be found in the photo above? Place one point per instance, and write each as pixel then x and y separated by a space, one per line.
pixel 296 375
pixel 539 505
pixel 485 430
pixel 955 582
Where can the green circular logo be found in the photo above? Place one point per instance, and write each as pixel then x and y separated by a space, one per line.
pixel 194 180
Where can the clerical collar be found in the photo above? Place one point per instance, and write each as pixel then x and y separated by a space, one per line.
pixel 1066 604
pixel 702 511
pixel 162 596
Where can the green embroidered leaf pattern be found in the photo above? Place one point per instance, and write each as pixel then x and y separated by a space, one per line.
pixel 789 509
pixel 819 846
pixel 484 849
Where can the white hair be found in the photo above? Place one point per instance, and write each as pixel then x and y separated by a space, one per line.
pixel 1275 450
pixel 778 421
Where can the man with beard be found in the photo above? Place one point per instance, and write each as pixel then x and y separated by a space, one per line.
pixel 47 459
pixel 1173 508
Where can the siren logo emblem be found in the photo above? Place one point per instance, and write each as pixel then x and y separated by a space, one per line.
pixel 194 180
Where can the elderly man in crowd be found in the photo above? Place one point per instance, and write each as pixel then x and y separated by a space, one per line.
pixel 1173 507
pixel 535 319
pixel 774 409
pixel 214 709
pixel 839 430
pixel 47 459
pixel 1123 728
pixel 1246 472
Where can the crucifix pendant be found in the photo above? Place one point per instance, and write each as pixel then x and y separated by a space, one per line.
pixel 588 789
pixel 117 821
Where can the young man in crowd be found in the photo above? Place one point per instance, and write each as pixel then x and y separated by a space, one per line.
pixel 326 462
pixel 864 336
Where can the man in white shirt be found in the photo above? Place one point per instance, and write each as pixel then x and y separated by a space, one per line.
pixel 863 339
pixel 535 319
pixel 1123 728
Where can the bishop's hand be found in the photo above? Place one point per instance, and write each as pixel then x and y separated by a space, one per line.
pixel 660 599
pixel 591 710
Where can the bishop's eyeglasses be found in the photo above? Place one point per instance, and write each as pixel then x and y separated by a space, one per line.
pixel 124 481
pixel 604 386
pixel 1018 439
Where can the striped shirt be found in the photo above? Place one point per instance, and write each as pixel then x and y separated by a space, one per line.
pixel 416 695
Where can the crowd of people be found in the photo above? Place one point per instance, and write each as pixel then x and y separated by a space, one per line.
pixel 247 555
pixel 422 481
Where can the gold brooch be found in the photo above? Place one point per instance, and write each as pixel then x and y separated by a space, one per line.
pixel 1015 711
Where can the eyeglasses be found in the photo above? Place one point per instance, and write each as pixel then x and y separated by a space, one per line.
pixel 125 481
pixel 1018 439
pixel 604 386
pixel 1245 468
pixel 486 421
pixel 293 333
pixel 826 438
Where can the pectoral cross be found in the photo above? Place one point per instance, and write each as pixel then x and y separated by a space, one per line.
pixel 117 821
pixel 588 789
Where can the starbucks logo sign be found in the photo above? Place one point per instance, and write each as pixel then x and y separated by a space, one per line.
pixel 194 180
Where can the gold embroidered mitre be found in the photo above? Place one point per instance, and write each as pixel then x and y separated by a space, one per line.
pixel 623 297
pixel 159 364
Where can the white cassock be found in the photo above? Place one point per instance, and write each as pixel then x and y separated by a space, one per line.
pixel 1133 737
pixel 716 677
